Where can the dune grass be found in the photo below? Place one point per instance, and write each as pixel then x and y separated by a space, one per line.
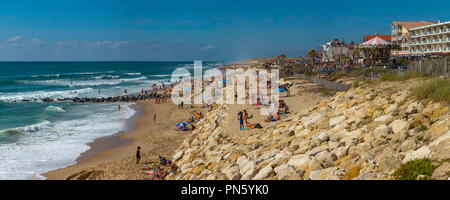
pixel 400 76
pixel 421 169
pixel 437 90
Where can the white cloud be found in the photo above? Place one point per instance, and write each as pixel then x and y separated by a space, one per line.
pixel 36 41
pixel 207 47
pixel 15 38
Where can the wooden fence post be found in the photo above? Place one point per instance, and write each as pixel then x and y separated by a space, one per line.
pixel 446 66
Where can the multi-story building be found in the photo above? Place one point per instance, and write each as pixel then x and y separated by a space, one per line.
pixel 401 36
pixel 431 39
pixel 333 51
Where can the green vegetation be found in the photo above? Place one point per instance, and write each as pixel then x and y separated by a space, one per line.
pixel 289 78
pixel 396 76
pixel 422 128
pixel 356 84
pixel 311 55
pixel 367 119
pixel 422 139
pixel 337 75
pixel 437 90
pixel 311 73
pixel 431 122
pixel 418 169
pixel 327 91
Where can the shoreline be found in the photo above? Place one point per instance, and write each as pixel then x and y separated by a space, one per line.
pixel 108 149
pixel 113 141
pixel 121 145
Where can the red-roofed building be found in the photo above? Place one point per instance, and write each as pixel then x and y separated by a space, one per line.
pixel 384 37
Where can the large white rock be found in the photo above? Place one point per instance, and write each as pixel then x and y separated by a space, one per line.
pixel 316 150
pixel 280 169
pixel 333 145
pixel 326 158
pixel 392 108
pixel 384 118
pixel 324 174
pixel 231 170
pixel 186 168
pixel 249 174
pixel 336 120
pixel 399 126
pixel 241 160
pixel 302 133
pixel 178 155
pixel 263 173
pixel 245 167
pixel 414 108
pixel 299 161
pixel 366 176
pixel 283 171
pixel 423 152
pixel 341 151
pixel 409 144
pixel 441 139
pixel 382 131
pixel 323 136
pixel 269 154
pixel 312 119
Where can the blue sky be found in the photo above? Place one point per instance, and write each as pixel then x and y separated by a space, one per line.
pixel 190 30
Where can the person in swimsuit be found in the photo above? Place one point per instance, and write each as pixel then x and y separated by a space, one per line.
pixel 246 117
pixel 138 155
pixel 241 120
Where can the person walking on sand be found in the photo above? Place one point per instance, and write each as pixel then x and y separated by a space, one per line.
pixel 154 119
pixel 119 107
pixel 241 120
pixel 138 155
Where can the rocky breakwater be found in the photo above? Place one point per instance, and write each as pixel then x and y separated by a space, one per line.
pixel 123 98
pixel 364 133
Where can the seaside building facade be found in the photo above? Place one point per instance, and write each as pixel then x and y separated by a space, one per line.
pixel 401 36
pixel 333 51
pixel 431 39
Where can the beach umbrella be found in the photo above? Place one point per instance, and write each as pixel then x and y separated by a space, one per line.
pixel 182 124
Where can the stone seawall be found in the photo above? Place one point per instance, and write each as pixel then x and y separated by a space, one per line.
pixel 363 133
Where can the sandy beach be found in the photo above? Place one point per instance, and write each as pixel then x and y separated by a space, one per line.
pixel 113 157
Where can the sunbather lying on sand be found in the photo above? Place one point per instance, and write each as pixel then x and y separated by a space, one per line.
pixel 162 160
pixel 173 168
pixel 252 126
pixel 272 118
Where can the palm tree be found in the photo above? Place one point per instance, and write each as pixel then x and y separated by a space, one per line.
pixel 355 55
pixel 312 54
pixel 282 56
pixel 373 53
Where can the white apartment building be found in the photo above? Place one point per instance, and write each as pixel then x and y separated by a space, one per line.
pixel 431 39
pixel 401 36
pixel 333 51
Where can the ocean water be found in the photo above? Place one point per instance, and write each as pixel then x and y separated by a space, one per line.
pixel 37 137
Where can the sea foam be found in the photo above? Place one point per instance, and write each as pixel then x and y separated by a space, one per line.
pixel 51 145
pixel 38 95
